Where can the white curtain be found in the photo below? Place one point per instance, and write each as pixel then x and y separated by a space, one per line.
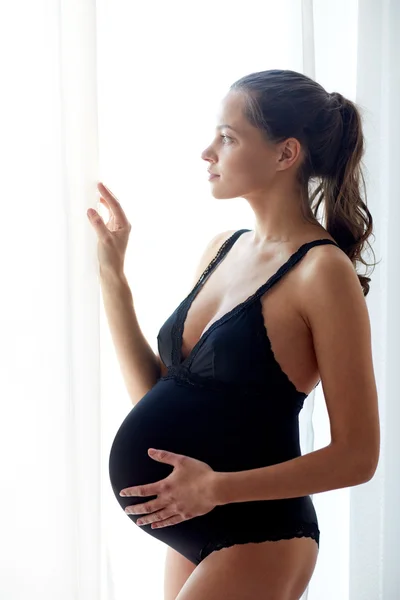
pixel 127 93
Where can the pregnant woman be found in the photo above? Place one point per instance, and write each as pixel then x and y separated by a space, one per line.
pixel 208 460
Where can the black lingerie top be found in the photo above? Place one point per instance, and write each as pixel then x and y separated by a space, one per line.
pixel 229 404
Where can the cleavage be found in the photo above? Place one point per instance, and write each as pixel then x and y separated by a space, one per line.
pixel 219 293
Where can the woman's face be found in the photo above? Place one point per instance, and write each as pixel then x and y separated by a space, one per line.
pixel 239 154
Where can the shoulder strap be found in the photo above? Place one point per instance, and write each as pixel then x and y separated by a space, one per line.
pixel 292 260
pixel 224 249
pixel 182 310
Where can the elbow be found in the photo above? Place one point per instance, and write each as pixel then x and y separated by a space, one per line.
pixel 360 465
pixel 373 462
pixel 365 469
pixel 370 471
pixel 361 457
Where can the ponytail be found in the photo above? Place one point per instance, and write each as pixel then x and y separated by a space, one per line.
pixel 283 104
pixel 347 217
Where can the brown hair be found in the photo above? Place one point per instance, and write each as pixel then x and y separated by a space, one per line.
pixel 287 104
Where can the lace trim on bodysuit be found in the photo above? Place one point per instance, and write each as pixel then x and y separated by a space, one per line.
pixel 183 308
pixel 304 530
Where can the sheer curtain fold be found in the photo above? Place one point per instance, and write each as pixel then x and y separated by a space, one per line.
pixel 375 522
pixel 110 89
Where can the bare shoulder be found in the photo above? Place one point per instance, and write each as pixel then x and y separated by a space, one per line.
pixel 210 251
pixel 328 291
pixel 328 276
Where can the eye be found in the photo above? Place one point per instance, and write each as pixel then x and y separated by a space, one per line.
pixel 226 137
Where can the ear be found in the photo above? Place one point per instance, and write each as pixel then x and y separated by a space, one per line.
pixel 288 154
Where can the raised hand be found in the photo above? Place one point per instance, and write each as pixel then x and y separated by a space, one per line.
pixel 113 236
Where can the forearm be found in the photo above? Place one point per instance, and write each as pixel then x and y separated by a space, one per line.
pixel 139 365
pixel 326 469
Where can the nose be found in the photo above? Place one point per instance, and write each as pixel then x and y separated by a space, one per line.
pixel 207 155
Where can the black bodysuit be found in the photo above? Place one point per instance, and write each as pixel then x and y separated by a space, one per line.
pixel 229 404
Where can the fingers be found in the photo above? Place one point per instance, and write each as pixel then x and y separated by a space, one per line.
pixel 98 223
pixel 171 521
pixel 113 203
pixel 150 489
pixel 164 516
pixel 144 509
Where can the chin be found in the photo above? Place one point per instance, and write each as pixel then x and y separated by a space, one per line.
pixel 221 193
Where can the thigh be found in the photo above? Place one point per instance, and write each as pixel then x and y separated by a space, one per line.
pixel 267 571
pixel 177 571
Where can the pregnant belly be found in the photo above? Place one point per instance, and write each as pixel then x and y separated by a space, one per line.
pixel 228 432
pixel 180 418
pixel 177 417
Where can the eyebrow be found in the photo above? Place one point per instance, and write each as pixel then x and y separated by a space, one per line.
pixel 228 126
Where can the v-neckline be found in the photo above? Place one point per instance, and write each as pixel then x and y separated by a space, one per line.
pixel 186 303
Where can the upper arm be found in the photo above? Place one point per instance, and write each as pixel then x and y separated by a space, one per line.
pixel 206 257
pixel 334 308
